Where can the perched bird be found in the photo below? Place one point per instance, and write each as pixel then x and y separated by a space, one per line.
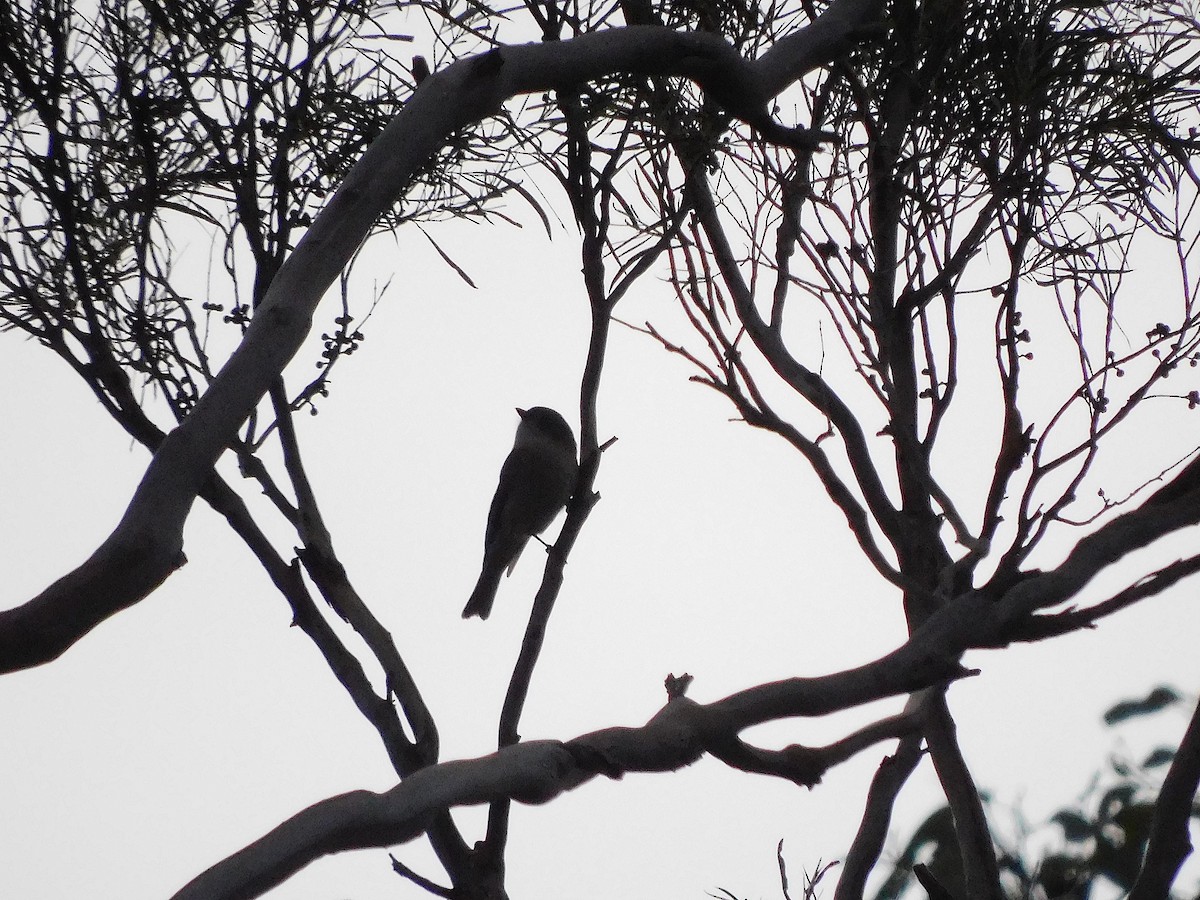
pixel 536 481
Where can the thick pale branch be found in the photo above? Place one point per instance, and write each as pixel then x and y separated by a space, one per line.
pixel 890 777
pixel 538 771
pixel 147 544
pixel 124 569
pixel 830 34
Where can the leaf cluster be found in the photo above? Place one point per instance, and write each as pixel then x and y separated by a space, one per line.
pixel 143 127
pixel 1101 839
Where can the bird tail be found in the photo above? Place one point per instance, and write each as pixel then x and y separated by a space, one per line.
pixel 484 594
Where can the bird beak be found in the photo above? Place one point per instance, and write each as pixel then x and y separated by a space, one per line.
pixel 521 412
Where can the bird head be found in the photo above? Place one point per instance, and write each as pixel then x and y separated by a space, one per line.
pixel 540 424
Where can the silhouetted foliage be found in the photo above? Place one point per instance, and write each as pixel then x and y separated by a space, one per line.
pixel 1097 844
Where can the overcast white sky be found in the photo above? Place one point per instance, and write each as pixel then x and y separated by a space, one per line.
pixel 194 722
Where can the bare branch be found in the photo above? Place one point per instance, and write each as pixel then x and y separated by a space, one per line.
pixel 538 771
pixel 805 766
pixel 1040 627
pixel 806 383
pixel 1172 507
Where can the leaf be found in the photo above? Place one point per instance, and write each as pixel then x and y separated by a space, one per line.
pixel 446 258
pixel 1161 756
pixel 1059 874
pixel 1114 800
pixel 1159 698
pixel 1074 825
pixel 1119 856
pixel 1135 820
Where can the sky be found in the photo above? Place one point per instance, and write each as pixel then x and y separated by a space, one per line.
pixel 194 722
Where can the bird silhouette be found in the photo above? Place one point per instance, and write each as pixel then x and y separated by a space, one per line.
pixel 536 481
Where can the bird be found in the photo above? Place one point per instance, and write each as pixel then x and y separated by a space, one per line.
pixel 536 481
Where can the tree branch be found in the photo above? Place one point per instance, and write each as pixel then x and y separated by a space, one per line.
pixel 970 824
pixel 1041 627
pixel 329 575
pixel 890 777
pixel 1170 843
pixel 809 385
pixel 806 766
pixel 1172 507
pixel 538 771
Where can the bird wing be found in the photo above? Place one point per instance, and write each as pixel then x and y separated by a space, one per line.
pixel 518 470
